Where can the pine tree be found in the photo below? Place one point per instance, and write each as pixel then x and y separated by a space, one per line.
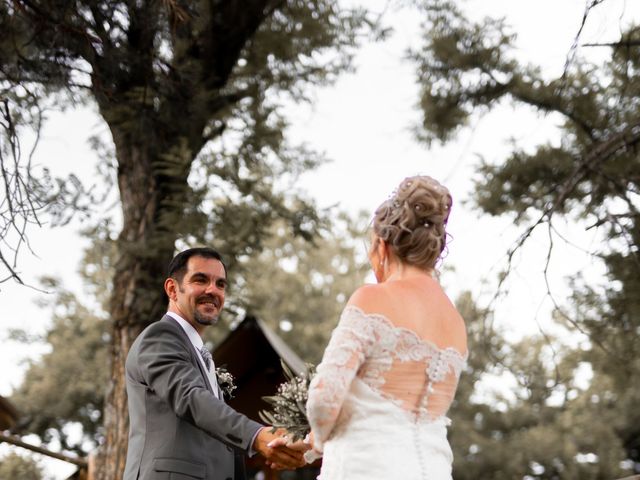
pixel 592 178
pixel 191 94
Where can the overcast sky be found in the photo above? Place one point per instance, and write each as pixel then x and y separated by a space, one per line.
pixel 363 124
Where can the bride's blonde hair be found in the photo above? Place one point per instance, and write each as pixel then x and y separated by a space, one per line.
pixel 412 222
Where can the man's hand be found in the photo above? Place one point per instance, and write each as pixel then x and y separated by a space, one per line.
pixel 298 446
pixel 273 447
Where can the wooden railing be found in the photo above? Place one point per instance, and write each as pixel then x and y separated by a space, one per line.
pixel 79 462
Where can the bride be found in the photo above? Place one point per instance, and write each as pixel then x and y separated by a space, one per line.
pixel 377 406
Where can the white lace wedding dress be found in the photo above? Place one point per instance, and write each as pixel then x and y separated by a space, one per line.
pixel 377 405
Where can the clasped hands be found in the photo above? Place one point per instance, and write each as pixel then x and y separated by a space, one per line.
pixel 278 449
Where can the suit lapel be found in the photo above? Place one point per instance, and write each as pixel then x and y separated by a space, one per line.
pixel 192 351
pixel 220 394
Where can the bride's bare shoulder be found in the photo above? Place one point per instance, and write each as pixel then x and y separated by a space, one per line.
pixel 369 297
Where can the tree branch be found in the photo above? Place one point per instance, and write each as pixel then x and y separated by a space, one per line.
pixel 574 47
pixel 20 205
pixel 80 462
pixel 630 137
pixel 550 107
pixel 622 43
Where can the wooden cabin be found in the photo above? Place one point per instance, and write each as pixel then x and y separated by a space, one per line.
pixel 8 414
pixel 252 353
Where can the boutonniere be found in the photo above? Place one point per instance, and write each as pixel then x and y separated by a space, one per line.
pixel 225 382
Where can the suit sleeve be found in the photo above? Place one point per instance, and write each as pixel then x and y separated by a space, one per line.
pixel 166 367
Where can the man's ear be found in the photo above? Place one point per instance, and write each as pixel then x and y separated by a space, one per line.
pixel 170 288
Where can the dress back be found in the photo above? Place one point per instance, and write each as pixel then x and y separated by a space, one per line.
pixel 413 374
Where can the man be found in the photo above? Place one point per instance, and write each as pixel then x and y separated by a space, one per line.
pixel 180 426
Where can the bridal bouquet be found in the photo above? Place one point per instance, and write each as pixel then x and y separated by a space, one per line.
pixel 288 405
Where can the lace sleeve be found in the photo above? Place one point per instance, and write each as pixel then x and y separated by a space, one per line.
pixel 347 350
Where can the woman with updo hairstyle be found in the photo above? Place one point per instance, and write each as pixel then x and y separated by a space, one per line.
pixel 378 403
pixel 412 222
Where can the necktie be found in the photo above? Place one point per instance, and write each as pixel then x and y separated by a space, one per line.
pixel 206 356
pixel 208 362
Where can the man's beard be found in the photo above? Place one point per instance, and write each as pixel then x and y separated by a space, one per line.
pixel 205 319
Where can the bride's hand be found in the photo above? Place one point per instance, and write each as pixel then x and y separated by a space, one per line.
pixel 278 442
pixel 299 446
pixel 285 440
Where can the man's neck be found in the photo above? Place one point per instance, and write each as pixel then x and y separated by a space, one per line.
pixel 196 326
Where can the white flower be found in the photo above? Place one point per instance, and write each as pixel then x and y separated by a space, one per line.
pixel 225 382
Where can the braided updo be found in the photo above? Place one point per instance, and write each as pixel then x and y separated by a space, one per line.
pixel 412 222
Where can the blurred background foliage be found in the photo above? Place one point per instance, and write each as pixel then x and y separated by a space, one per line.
pixel 542 407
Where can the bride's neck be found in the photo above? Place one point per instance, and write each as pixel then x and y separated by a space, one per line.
pixel 402 271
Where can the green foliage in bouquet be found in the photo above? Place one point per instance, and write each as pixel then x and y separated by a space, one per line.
pixel 288 406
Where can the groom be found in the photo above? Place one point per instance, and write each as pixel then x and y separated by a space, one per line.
pixel 179 422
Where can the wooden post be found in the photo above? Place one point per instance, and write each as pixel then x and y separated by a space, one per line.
pixel 91 470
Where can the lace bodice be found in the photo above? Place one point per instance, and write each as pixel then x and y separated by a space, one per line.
pixel 416 375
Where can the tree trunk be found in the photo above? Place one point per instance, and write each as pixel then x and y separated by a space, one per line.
pixel 155 148
pixel 146 246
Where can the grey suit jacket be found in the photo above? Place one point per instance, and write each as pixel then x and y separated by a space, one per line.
pixel 178 428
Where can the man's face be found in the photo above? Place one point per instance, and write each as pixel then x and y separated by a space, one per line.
pixel 199 297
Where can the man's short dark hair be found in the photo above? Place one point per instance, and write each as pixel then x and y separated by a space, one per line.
pixel 178 266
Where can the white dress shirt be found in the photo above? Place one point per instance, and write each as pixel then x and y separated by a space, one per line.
pixel 197 343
